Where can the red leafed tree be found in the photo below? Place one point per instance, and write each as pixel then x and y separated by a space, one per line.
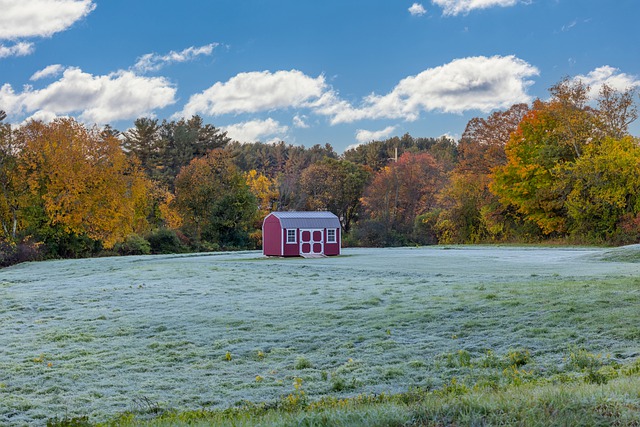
pixel 402 191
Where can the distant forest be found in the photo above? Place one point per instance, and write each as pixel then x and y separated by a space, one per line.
pixel 562 170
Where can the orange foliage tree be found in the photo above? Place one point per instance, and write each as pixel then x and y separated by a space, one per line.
pixel 400 192
pixel 470 212
pixel 561 173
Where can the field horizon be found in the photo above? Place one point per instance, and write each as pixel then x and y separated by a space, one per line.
pixel 99 337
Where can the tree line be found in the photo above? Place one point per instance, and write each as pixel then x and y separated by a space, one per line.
pixel 563 169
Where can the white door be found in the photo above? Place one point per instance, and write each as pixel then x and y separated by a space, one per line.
pixel 312 241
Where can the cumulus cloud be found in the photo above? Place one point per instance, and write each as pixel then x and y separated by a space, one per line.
pixel 363 136
pixel 610 76
pixel 40 18
pixel 300 122
pixel 417 9
pixel 257 91
pixel 18 49
pixel 153 61
pixel 50 71
pixel 474 83
pixel 43 115
pixel 456 7
pixel 256 130
pixel 95 99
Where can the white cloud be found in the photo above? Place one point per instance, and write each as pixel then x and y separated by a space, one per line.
pixel 450 137
pixel 300 122
pixel 40 18
pixel 18 49
pixel 42 115
pixel 569 26
pixel 257 91
pixel 475 83
pixel 96 99
pixel 363 136
pixel 610 76
pixel 50 71
pixel 256 130
pixel 417 9
pixel 153 61
pixel 456 7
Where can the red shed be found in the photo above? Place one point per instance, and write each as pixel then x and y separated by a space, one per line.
pixel 301 234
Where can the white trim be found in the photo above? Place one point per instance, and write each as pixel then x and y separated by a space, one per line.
pixel 312 241
pixel 295 239
pixel 335 235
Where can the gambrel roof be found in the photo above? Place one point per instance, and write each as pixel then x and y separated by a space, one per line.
pixel 307 219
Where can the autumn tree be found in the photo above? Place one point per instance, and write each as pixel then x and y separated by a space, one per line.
pixel 336 186
pixel 605 187
pixel 78 183
pixel 264 189
pixel 481 147
pixel 547 150
pixel 299 158
pixel 616 111
pixel 11 185
pixel 470 212
pixel 378 154
pixel 215 202
pixel 399 193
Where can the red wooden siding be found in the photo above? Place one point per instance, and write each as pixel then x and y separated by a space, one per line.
pixel 332 248
pixel 272 237
pixel 291 249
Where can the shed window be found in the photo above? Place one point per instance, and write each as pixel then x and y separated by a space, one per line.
pixel 291 235
pixel 331 235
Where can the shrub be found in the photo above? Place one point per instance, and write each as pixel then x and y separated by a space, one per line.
pixel 164 241
pixel 82 421
pixel 519 358
pixel 60 244
pixel 133 245
pixel 372 233
pixel 583 360
pixel 27 250
pixel 303 363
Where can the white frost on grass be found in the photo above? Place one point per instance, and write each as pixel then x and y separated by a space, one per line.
pixel 101 336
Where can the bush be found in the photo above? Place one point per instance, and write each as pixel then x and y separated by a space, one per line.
pixel 372 233
pixel 60 244
pixel 165 241
pixel 133 245
pixel 303 363
pixel 27 250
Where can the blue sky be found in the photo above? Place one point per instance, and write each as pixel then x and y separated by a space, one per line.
pixel 307 72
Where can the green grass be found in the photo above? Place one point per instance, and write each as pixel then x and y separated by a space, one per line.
pixel 556 401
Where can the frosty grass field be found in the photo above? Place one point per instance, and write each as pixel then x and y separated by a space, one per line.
pixel 98 337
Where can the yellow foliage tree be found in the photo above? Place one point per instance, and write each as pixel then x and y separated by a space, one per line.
pixel 168 213
pixel 265 190
pixel 81 181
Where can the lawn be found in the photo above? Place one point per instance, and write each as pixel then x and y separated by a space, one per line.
pixel 100 337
